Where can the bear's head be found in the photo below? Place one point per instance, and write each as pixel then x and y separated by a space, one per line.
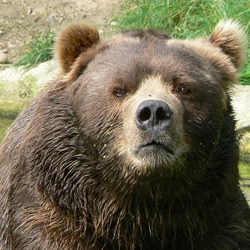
pixel 148 104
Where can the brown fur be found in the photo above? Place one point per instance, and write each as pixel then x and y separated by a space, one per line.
pixel 231 39
pixel 72 42
pixel 79 171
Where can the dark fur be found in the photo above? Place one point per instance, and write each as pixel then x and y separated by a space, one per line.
pixel 64 186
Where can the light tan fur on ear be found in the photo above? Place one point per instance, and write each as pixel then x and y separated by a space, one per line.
pixel 231 38
pixel 73 41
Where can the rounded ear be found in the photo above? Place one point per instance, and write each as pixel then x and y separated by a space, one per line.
pixel 73 41
pixel 231 38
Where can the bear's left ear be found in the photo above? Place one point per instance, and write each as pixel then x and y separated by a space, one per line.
pixel 231 38
pixel 74 41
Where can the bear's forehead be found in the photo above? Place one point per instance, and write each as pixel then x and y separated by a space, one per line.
pixel 147 47
pixel 138 57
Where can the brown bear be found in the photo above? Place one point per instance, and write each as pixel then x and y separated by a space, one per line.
pixel 134 147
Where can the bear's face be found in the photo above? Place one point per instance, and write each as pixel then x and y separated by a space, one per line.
pixel 147 103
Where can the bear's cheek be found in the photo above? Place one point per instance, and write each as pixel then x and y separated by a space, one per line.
pixel 202 125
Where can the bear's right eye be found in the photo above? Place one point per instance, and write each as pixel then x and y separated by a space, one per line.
pixel 120 92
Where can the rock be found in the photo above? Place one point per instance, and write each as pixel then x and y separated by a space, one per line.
pixel 114 23
pixel 40 75
pixel 241 104
pixel 44 72
pixel 3 57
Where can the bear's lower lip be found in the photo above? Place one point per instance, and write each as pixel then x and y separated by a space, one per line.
pixel 155 147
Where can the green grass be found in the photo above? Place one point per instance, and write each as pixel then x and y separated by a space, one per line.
pixel 245 175
pixel 181 18
pixel 184 19
pixel 9 110
pixel 39 50
pixel 245 170
pixel 4 125
pixel 245 74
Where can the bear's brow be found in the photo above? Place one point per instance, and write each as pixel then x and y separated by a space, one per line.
pixel 146 34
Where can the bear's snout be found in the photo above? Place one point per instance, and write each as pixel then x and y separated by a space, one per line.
pixel 153 115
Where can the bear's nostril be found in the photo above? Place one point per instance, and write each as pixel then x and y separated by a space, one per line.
pixel 144 115
pixel 161 114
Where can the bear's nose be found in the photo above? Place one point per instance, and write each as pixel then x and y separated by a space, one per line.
pixel 153 115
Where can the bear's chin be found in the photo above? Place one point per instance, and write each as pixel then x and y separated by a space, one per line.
pixel 149 159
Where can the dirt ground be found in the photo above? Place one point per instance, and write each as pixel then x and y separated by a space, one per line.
pixel 22 19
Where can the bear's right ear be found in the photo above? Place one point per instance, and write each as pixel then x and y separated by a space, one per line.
pixel 231 38
pixel 72 42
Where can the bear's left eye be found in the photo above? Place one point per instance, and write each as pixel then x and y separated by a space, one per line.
pixel 183 89
pixel 120 92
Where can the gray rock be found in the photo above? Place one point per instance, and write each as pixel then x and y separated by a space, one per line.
pixel 241 104
pixel 42 74
pixel 3 57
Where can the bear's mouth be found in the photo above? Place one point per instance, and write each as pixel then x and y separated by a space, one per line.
pixel 155 146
